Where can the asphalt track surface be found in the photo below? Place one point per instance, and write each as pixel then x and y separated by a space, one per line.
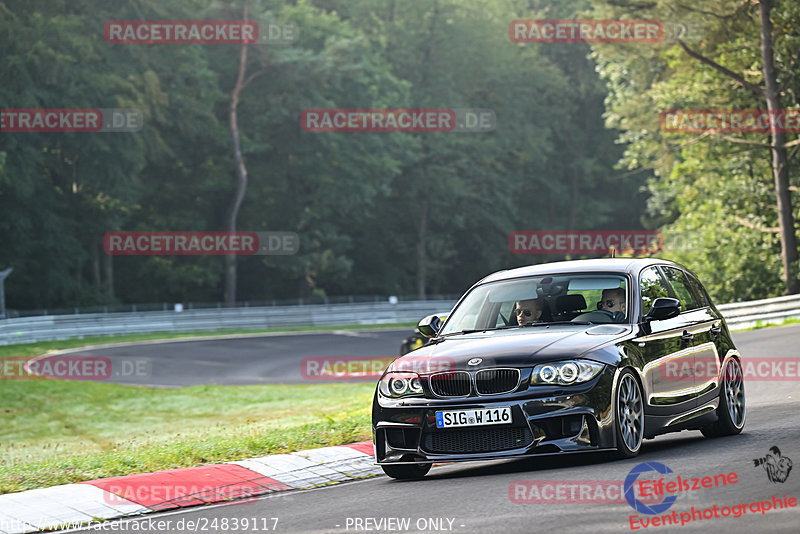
pixel 266 359
pixel 475 497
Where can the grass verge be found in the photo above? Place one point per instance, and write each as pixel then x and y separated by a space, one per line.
pixel 35 349
pixel 59 432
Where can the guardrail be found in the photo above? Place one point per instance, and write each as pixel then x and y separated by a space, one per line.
pixel 741 315
pixel 12 313
pixel 57 327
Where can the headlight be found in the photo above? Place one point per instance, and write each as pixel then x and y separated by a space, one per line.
pixel 395 384
pixel 565 373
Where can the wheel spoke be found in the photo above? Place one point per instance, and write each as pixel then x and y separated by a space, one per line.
pixel 734 392
pixel 630 413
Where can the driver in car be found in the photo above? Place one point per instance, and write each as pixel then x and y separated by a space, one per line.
pixel 613 301
pixel 528 311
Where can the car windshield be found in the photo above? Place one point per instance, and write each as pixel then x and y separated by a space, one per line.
pixel 543 300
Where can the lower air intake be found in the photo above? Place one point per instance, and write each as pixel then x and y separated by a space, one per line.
pixel 477 440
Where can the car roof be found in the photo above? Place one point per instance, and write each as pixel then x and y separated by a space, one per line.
pixel 619 265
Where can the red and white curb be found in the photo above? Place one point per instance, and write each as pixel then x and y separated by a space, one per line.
pixel 71 505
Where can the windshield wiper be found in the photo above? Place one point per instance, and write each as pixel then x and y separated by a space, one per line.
pixel 506 327
pixel 481 330
pixel 583 323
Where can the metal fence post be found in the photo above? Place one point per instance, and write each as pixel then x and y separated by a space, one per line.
pixel 3 276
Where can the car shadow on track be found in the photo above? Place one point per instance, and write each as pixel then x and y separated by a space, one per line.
pixel 651 450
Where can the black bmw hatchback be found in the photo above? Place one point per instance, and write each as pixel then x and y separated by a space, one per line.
pixel 589 355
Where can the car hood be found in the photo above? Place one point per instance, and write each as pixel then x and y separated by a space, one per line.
pixel 515 348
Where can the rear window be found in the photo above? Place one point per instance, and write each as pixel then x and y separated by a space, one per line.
pixel 697 288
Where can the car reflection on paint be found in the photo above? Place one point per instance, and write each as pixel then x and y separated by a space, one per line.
pixel 597 370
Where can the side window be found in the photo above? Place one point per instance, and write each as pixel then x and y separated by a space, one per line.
pixel 698 290
pixel 685 294
pixel 652 287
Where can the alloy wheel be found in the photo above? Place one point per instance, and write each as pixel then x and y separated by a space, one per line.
pixel 734 392
pixel 630 413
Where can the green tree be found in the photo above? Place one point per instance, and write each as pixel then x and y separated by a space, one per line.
pixel 710 193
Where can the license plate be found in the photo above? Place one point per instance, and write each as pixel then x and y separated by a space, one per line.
pixel 485 416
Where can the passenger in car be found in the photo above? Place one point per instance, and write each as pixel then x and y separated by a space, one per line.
pixel 528 311
pixel 613 301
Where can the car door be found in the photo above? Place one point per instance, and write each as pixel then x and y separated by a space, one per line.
pixel 712 342
pixel 666 350
pixel 700 328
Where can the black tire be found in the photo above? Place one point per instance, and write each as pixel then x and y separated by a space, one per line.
pixel 731 409
pixel 628 415
pixel 407 471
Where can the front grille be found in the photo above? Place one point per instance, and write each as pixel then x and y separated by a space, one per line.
pixel 451 384
pixel 496 381
pixel 477 440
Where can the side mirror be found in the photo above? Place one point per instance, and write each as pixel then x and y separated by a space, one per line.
pixel 663 308
pixel 430 325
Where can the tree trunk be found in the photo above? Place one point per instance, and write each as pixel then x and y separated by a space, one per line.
pixel 241 176
pixel 780 167
pixel 780 170
pixel 108 271
pixel 422 224
pixel 96 280
pixel 422 258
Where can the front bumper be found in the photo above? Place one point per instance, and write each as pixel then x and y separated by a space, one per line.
pixel 545 420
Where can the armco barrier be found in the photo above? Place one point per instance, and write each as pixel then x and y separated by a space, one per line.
pixel 55 327
pixel 768 311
